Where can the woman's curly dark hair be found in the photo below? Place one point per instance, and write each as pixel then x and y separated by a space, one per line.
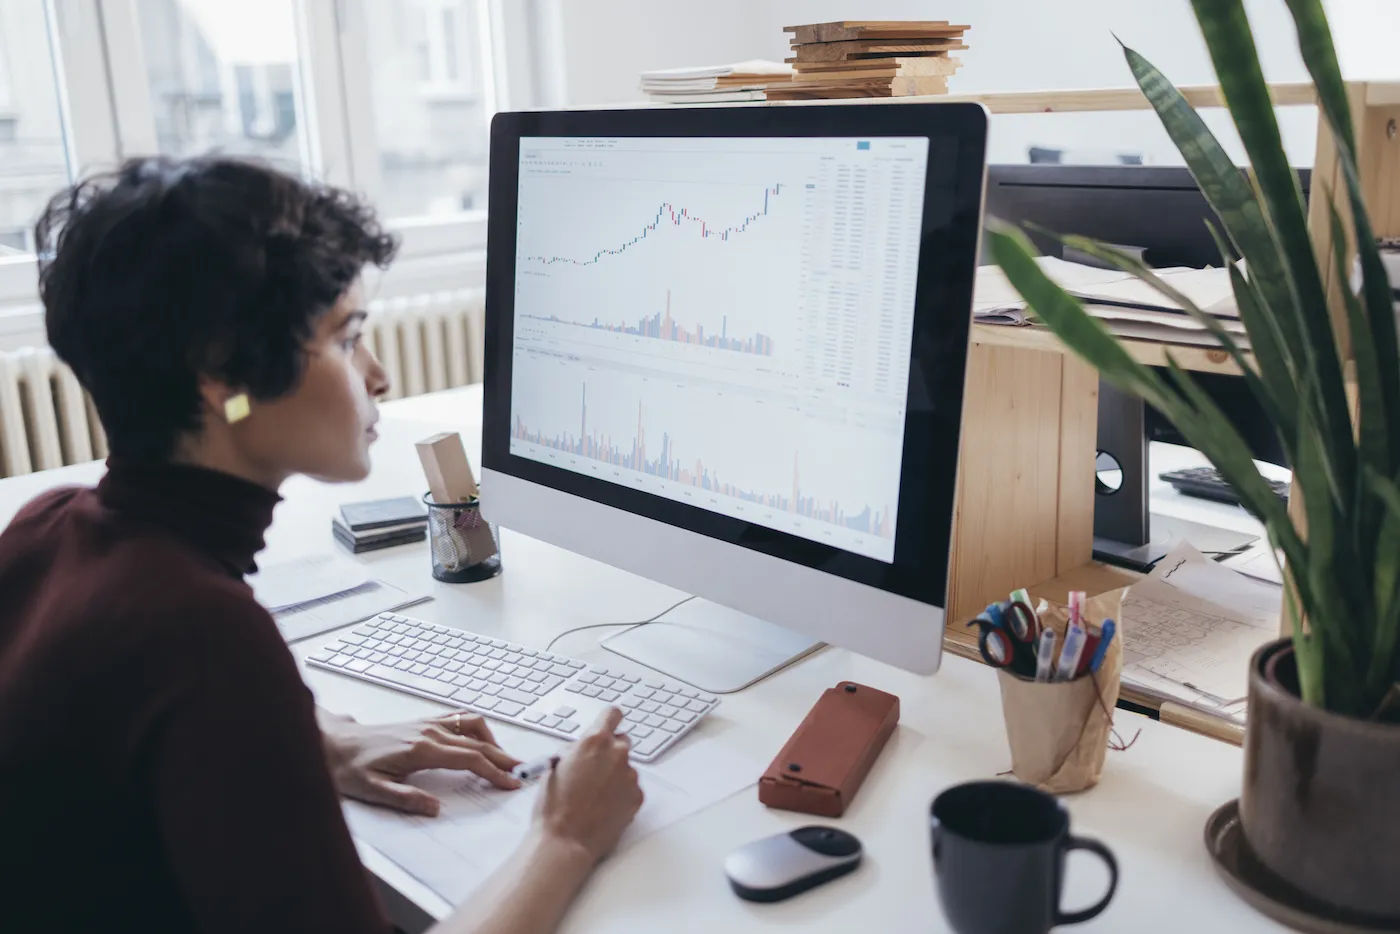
pixel 166 270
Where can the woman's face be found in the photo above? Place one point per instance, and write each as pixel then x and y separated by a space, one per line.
pixel 324 426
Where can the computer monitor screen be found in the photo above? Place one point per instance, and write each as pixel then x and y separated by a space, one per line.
pixel 726 349
pixel 723 322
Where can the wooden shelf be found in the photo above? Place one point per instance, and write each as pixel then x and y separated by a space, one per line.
pixel 1152 353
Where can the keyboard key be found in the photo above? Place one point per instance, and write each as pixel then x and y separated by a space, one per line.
pixel 363 630
pixel 491 665
pixel 534 716
pixel 631 679
pixel 563 671
pixel 604 683
pixel 529 652
pixel 574 687
pixel 497 678
pixel 438 662
pixel 499 653
pixel 547 657
pixel 597 670
pixel 672 687
pixel 322 655
pixel 550 683
pixel 403 664
pixel 698 706
pixel 640 731
pixel 551 723
pixel 512 647
pixel 653 720
pixel 707 698
pixel 631 703
pixel 541 665
pixel 671 726
pixel 592 691
pixel 441 639
pixel 461 680
pixel 650 706
pixel 518 697
pixel 635 716
pixel 491 690
pixel 536 676
pixel 398 651
pixel 410 680
pixel 685 716
pixel 418 668
pixel 663 697
pixel 565 712
pixel 486 703
pixel 654 685
pixel 574 663
pixel 514 682
pixel 588 678
pixel 353 640
pixel 477 684
pixel 609 696
pixel 650 744
pixel 453 667
pixel 359 664
pixel 668 711
pixel 643 693
pixel 377 657
pixel 456 643
pixel 466 696
pixel 508 709
pixel 624 728
pixel 568 726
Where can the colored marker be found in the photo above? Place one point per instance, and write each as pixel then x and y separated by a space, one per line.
pixel 1045 655
pixel 1069 655
pixel 1076 607
pixel 533 770
pixel 1109 628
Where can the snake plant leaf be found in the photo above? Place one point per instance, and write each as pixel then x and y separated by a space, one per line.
pixel 1385 658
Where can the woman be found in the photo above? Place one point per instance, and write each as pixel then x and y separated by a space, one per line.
pixel 161 765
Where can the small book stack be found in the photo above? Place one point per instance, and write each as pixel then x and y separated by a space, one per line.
pixel 709 84
pixel 885 58
pixel 380 524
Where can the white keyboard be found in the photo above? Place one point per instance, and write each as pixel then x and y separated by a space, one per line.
pixel 540 691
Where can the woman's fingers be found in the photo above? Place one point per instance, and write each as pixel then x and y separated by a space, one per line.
pixel 378 789
pixel 469 725
pixel 497 756
pixel 434 755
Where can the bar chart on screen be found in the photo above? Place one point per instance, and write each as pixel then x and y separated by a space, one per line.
pixel 766 457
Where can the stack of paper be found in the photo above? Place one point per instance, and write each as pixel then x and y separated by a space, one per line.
pixel 1125 304
pixel 742 81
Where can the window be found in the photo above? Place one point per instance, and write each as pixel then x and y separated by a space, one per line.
pixel 432 100
pixel 224 76
pixel 33 159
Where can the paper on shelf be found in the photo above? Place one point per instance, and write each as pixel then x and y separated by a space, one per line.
pixel 1187 569
pixel 479 826
pixel 1189 648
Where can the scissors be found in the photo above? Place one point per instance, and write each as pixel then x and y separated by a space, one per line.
pixel 1007 630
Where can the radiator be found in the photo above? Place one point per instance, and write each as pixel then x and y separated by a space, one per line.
pixel 426 343
pixel 46 420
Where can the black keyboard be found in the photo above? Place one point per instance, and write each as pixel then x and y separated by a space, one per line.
pixel 1206 483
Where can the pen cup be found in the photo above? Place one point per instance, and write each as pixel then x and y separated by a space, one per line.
pixel 1059 731
pixel 464 545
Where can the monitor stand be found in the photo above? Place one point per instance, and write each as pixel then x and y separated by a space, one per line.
pixel 711 647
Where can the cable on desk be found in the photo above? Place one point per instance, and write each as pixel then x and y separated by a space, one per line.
pixel 634 624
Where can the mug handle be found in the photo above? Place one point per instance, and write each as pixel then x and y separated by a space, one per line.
pixel 1103 852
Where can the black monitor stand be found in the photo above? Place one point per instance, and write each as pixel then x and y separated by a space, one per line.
pixel 1126 532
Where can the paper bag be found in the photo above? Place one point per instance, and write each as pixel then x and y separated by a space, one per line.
pixel 1059 731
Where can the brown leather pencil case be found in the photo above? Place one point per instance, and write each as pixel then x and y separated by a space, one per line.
pixel 826 759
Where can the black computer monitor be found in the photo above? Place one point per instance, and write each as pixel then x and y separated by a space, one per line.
pixel 1160 211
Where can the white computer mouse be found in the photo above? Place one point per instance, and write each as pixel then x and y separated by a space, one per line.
pixel 784 865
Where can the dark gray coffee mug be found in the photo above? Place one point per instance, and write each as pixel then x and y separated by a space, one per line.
pixel 999 856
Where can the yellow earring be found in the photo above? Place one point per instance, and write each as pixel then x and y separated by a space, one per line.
pixel 236 408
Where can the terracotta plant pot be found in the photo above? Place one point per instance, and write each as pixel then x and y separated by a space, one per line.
pixel 1321 800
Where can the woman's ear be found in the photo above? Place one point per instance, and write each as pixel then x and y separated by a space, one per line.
pixel 232 405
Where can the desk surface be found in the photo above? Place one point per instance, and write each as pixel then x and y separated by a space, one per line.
pixel 1150 806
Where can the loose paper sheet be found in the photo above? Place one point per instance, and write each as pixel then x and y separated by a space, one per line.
pixel 480 826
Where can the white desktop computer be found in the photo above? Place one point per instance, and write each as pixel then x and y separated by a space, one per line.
pixel 725 350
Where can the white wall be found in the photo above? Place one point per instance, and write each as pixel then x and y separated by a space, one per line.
pixel 1014 45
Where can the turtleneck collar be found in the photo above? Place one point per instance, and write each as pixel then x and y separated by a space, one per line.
pixel 218 513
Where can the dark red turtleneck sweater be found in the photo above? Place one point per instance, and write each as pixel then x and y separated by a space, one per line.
pixel 160 763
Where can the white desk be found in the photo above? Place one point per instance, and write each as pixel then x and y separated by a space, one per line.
pixel 1150 807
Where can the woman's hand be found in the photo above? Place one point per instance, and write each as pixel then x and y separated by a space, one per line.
pixel 592 794
pixel 371 762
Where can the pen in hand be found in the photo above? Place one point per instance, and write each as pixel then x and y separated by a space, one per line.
pixel 530 771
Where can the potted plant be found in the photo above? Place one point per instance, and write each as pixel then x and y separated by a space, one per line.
pixel 1320 806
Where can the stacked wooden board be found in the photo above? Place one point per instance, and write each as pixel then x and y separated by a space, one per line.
pixel 870 58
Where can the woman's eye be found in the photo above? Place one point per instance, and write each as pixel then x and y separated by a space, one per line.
pixel 350 343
